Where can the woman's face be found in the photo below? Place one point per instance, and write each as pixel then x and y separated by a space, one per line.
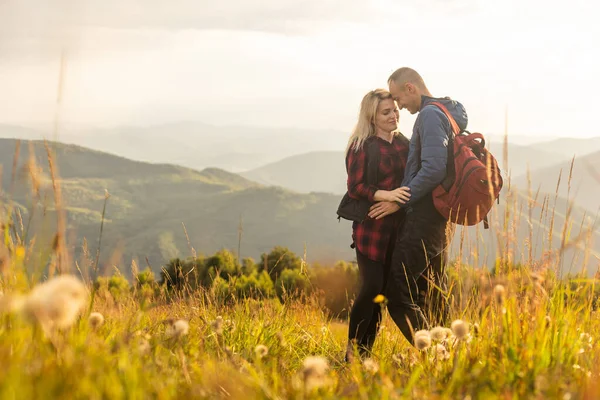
pixel 387 116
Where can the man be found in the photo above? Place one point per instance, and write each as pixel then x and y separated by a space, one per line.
pixel 421 241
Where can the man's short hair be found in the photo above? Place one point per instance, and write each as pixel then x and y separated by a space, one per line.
pixel 407 75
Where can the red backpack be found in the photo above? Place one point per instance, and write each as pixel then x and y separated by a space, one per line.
pixel 473 181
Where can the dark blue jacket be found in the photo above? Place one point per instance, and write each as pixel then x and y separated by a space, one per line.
pixel 428 152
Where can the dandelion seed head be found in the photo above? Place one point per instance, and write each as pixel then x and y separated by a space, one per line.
pixel 438 333
pixel 314 370
pixel 499 293
pixel 422 332
pixel 422 340
pixel 96 320
pixel 217 325
pixel 261 351
pixel 177 329
pixel 57 302
pixel 460 328
pixel 441 352
pixel 370 365
pixel 143 346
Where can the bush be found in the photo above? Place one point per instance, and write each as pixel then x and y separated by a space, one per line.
pixel 190 273
pixel 118 287
pixel 223 263
pixel 279 260
pixel 145 278
pixel 256 285
pixel 292 283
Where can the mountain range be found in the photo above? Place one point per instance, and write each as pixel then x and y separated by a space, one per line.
pixel 159 211
pixel 194 145
pixel 325 171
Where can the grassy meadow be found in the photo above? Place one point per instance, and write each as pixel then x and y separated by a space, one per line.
pixel 515 331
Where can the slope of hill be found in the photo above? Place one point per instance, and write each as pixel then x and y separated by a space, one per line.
pixel 524 158
pixel 570 147
pixel 322 171
pixel 584 185
pixel 195 145
pixel 149 203
pixel 325 171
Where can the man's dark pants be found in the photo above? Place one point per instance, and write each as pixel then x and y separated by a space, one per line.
pixel 419 254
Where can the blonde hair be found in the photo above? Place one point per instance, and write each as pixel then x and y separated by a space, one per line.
pixel 365 127
pixel 407 75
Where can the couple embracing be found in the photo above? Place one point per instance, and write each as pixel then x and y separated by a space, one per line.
pixel 401 244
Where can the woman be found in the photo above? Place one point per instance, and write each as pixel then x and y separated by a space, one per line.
pixel 373 239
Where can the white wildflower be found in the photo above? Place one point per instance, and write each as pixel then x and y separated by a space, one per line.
pixel 441 352
pixel 177 329
pixel 57 302
pixel 96 320
pixel 460 328
pixel 438 333
pixel 499 293
pixel 261 351
pixel 143 346
pixel 422 339
pixel 217 325
pixel 314 372
pixel 371 366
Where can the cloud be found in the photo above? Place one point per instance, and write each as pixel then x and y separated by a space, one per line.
pixel 264 15
pixel 39 29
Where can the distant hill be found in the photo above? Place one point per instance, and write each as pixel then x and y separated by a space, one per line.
pixel 521 158
pixel 585 182
pixel 324 171
pixel 570 147
pixel 149 203
pixel 195 145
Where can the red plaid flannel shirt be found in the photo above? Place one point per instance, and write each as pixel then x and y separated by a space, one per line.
pixel 372 237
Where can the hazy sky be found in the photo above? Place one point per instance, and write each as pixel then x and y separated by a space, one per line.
pixel 302 63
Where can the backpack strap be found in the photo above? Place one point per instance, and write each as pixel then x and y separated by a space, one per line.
pixel 455 130
pixel 453 124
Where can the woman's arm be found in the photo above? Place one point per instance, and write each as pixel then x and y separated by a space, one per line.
pixel 357 188
pixel 355 165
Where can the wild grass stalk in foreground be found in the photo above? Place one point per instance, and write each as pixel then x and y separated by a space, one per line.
pixel 529 337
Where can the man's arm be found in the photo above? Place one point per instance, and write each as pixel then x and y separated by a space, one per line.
pixel 434 153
